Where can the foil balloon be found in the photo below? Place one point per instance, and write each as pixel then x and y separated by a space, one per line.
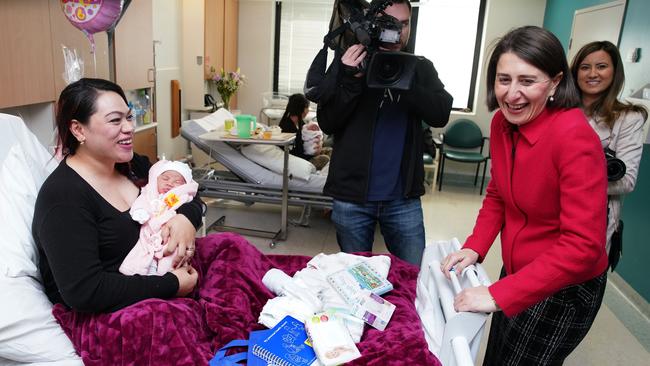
pixel 92 16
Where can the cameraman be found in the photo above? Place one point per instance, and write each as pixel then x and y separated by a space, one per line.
pixel 376 171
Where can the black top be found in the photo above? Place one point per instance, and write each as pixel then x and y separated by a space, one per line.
pixel 82 240
pixel 349 110
pixel 287 125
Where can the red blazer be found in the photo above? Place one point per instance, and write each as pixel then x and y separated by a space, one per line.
pixel 549 203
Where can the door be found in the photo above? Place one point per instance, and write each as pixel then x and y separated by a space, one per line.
pixel 596 23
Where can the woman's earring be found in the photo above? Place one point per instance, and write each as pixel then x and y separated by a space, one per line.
pixel 81 142
pixel 551 99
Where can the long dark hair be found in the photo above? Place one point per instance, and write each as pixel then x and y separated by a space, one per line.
pixel 541 49
pixel 296 106
pixel 607 105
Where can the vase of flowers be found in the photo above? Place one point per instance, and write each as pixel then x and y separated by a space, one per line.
pixel 226 83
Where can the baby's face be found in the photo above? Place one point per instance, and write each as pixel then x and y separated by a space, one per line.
pixel 168 180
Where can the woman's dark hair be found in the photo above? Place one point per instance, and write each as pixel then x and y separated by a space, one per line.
pixel 77 102
pixel 296 105
pixel 607 105
pixel 541 49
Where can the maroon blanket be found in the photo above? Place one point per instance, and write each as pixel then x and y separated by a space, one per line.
pixel 188 331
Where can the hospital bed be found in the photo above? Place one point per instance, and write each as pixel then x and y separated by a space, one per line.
pixel 249 182
pixel 453 336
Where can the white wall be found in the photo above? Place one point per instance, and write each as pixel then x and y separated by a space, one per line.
pixel 167 31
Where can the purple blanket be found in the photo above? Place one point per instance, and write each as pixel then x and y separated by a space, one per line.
pixel 188 331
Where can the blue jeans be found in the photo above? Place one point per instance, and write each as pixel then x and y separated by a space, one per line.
pixel 400 221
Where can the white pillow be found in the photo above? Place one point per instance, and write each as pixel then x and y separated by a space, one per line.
pixel 215 121
pixel 272 158
pixel 24 165
pixel 28 331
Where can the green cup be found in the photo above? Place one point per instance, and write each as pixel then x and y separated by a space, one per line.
pixel 245 124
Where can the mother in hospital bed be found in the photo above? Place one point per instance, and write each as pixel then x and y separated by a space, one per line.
pixel 82 225
pixel 547 198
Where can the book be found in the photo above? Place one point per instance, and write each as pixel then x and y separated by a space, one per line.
pixel 253 338
pixel 286 344
pixel 331 339
pixel 349 281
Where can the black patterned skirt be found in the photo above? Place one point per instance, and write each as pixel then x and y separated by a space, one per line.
pixel 547 332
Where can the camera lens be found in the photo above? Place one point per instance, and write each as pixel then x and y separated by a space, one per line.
pixel 390 69
pixel 615 167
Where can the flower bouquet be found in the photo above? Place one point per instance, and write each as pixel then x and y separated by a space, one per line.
pixel 226 83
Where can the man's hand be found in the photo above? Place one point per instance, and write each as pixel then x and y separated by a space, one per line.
pixel 352 58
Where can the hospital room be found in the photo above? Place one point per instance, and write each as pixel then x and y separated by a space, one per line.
pixel 324 182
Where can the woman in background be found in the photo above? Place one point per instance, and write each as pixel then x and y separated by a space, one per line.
pixel 547 199
pixel 293 121
pixel 598 73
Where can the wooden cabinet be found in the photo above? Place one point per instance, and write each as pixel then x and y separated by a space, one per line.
pixel 221 28
pixel 145 142
pixel 209 39
pixel 26 74
pixel 134 67
pixel 221 22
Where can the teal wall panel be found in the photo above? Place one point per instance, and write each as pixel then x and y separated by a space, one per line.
pixel 635 262
pixel 558 17
pixel 636 28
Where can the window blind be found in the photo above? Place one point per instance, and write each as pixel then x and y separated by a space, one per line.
pixel 303 25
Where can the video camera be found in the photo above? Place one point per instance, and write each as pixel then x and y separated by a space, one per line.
pixel 372 27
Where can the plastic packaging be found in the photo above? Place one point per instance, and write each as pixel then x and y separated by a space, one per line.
pixel 74 65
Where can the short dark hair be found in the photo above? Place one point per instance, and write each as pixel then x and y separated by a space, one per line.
pixel 541 49
pixel 407 2
pixel 77 102
pixel 607 106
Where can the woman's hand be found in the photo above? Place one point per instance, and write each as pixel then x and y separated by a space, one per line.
pixel 187 278
pixel 352 58
pixel 459 260
pixel 179 233
pixel 475 299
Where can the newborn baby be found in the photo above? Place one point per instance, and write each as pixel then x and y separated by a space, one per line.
pixel 170 186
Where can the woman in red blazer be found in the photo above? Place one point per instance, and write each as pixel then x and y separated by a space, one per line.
pixel 547 198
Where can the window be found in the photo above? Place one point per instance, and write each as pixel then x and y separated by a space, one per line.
pixel 302 26
pixel 448 32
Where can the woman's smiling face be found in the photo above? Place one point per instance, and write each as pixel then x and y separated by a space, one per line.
pixel 109 133
pixel 595 74
pixel 521 89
